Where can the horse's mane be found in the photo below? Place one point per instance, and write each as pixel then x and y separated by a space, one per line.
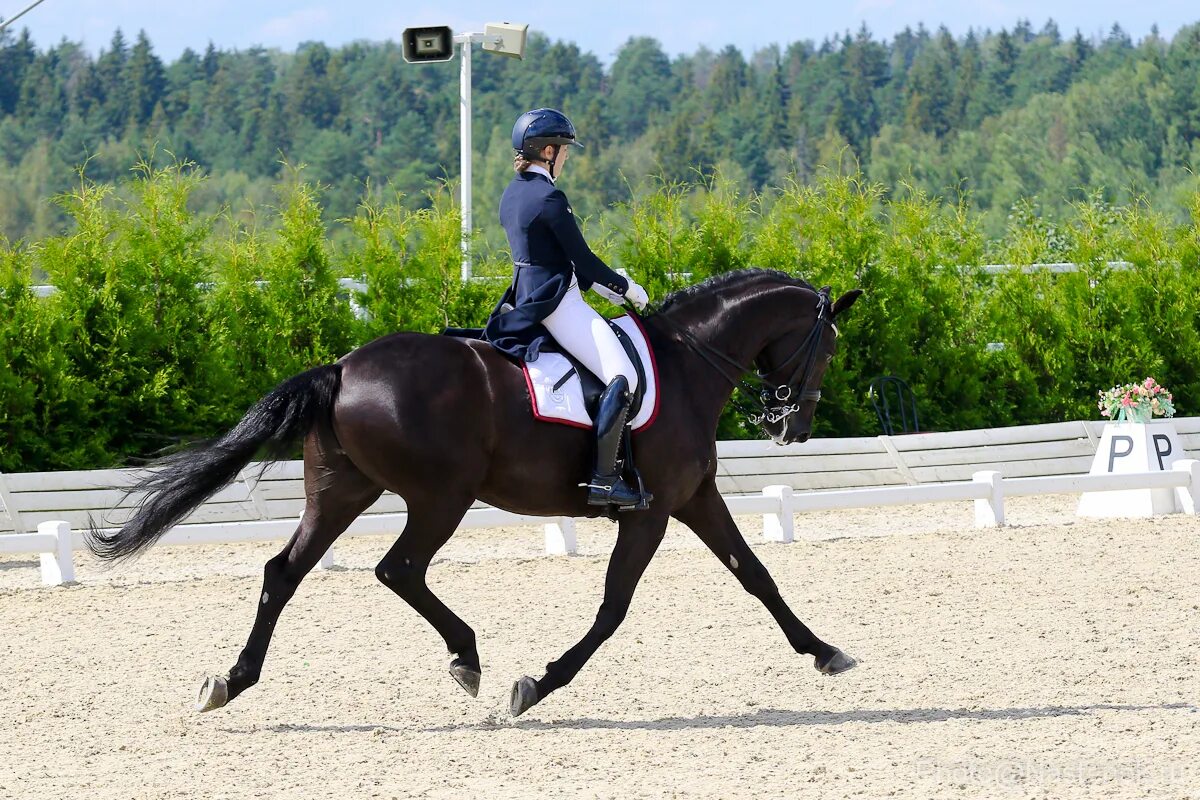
pixel 723 281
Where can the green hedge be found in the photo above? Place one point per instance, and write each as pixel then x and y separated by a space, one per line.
pixel 931 312
pixel 167 325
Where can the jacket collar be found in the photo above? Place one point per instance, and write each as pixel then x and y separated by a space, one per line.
pixel 539 170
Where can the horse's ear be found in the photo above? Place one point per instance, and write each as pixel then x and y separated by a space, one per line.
pixel 846 300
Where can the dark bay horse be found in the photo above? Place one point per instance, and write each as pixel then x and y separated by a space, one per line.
pixel 443 421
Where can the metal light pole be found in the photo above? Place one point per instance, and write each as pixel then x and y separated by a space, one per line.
pixel 436 43
pixel 464 127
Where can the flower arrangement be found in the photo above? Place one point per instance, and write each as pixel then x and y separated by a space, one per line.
pixel 1136 402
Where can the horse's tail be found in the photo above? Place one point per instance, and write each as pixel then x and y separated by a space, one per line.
pixel 184 480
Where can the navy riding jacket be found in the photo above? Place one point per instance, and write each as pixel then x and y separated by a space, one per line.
pixel 548 252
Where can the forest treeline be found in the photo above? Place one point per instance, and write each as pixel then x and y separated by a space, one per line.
pixel 994 116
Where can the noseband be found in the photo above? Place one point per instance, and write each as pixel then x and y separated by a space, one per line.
pixel 774 398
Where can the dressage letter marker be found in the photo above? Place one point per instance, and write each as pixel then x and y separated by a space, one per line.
pixel 1125 443
pixel 1163 448
pixel 1126 448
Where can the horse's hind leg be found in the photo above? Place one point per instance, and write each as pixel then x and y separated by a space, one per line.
pixel 431 522
pixel 335 494
pixel 708 516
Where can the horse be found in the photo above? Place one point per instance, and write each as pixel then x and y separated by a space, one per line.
pixel 444 421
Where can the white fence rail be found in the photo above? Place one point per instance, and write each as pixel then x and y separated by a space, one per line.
pixel 981 466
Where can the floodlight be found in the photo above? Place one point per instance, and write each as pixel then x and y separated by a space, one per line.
pixel 512 39
pixel 428 44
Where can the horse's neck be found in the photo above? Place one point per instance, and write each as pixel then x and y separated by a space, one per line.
pixel 739 328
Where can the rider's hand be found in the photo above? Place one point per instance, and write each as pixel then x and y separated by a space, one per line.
pixel 637 295
pixel 607 293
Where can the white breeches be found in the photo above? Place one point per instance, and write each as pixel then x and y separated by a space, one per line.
pixel 585 334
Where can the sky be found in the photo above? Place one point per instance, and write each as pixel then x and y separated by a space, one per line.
pixel 597 26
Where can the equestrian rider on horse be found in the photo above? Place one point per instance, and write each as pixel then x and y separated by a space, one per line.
pixel 553 265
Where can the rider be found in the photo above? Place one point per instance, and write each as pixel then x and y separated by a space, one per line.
pixel 552 266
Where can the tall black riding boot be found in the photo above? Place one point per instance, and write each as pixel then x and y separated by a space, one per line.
pixel 607 487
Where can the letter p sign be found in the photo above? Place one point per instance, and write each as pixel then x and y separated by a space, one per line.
pixel 1162 448
pixel 1114 453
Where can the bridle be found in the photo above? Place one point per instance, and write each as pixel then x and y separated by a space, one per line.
pixel 781 400
pixel 784 392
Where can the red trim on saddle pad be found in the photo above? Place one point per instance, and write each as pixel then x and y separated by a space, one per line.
pixel 653 369
pixel 533 405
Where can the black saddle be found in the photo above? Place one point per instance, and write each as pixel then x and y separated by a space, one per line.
pixel 591 383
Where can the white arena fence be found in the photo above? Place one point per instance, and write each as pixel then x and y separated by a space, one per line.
pixel 754 477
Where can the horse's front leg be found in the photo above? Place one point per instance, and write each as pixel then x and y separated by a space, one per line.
pixel 638 538
pixel 708 516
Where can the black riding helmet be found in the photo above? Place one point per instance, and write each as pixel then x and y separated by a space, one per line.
pixel 542 126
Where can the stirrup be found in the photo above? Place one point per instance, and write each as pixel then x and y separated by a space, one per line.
pixel 612 490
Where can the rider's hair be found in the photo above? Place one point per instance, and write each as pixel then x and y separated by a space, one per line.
pixel 522 160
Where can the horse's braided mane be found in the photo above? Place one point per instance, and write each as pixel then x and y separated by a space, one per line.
pixel 725 280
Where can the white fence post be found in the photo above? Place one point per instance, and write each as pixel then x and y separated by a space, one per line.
pixel 779 526
pixel 326 561
pixel 255 495
pixel 9 507
pixel 560 537
pixel 1188 496
pixel 989 512
pixel 57 567
pixel 898 460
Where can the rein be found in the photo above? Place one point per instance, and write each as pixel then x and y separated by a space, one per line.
pixel 774 399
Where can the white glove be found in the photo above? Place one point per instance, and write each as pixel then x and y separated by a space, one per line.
pixel 637 295
pixel 607 293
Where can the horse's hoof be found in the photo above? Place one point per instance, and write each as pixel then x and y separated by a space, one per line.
pixel 836 664
pixel 466 675
pixel 213 694
pixel 523 696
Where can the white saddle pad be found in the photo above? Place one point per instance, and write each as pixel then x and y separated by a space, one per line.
pixel 565 403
